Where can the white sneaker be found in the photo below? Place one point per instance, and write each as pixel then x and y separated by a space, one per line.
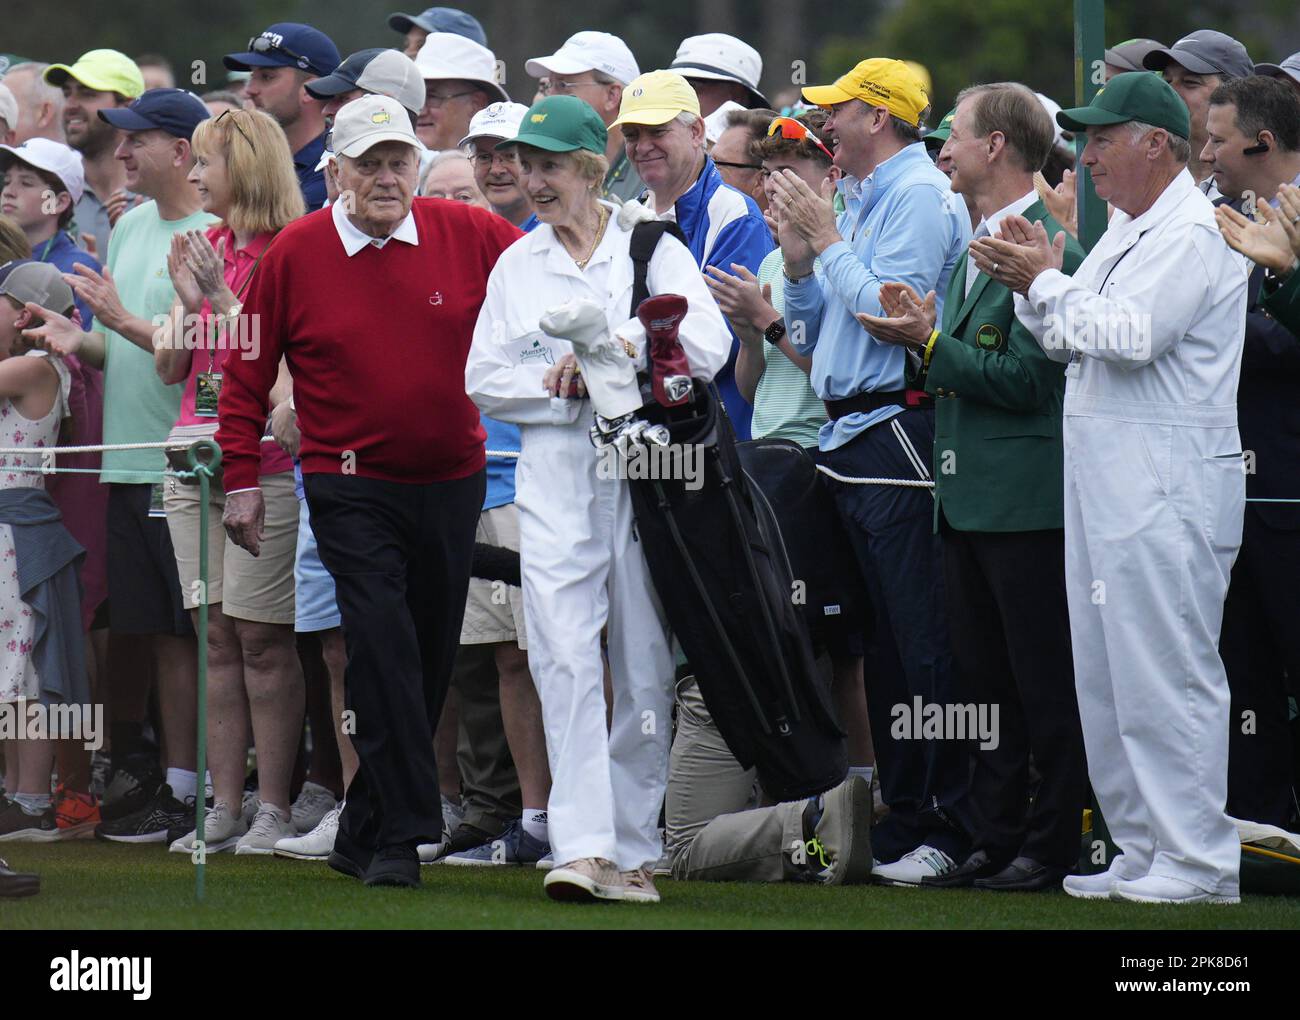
pixel 452 816
pixel 315 845
pixel 314 803
pixel 249 808
pixel 1160 889
pixel 923 862
pixel 270 825
pixel 1089 887
pixel 222 829
pixel 584 880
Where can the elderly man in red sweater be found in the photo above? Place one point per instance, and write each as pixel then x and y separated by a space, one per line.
pixel 372 303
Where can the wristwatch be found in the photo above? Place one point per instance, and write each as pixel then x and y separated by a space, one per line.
pixel 774 332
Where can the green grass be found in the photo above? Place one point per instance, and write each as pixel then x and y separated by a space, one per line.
pixel 95 885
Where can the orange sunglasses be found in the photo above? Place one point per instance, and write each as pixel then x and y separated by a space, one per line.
pixel 795 130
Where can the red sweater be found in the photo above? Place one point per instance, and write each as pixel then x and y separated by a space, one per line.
pixel 376 344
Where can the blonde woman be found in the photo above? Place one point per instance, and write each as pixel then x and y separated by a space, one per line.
pixel 244 174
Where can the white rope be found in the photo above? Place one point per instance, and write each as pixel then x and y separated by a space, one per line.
pixel 31 450
pixel 502 453
pixel 911 483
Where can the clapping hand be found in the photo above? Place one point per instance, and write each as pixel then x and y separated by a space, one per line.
pixel 1019 253
pixel 1272 239
pixel 909 319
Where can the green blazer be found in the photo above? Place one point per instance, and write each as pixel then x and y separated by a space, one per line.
pixel 1283 302
pixel 997 437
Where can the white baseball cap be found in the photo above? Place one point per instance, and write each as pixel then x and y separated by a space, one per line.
pixel 8 107
pixel 1053 108
pixel 447 55
pixel 367 121
pixel 588 51
pixel 719 57
pixel 52 157
pixel 498 120
pixel 380 71
pixel 716 122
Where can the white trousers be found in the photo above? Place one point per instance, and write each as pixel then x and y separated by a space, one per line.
pixel 583 568
pixel 1153 517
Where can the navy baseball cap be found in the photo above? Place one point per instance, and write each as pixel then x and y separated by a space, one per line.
pixel 440 19
pixel 287 44
pixel 175 111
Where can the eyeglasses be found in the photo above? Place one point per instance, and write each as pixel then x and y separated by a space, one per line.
pixel 434 100
pixel 738 166
pixel 226 114
pixel 796 130
pixel 508 158
pixel 265 44
pixel 548 86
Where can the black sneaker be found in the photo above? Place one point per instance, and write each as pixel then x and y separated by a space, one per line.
pixel 18 883
pixel 152 822
pixel 17 826
pixel 133 786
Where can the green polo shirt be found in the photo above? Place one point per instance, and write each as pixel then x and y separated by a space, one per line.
pixel 138 408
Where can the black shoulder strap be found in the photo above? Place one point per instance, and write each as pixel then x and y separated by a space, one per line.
pixel 645 239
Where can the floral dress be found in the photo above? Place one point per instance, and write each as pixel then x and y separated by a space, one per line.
pixel 18 677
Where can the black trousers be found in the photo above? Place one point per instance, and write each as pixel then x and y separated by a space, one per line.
pixel 1011 642
pixel 1260 646
pixel 400 556
pixel 924 781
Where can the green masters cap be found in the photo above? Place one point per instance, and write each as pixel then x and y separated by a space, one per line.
pixel 1134 95
pixel 939 135
pixel 101 70
pixel 561 124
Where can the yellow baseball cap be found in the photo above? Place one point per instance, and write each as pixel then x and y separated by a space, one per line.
pixel 656 98
pixel 878 81
pixel 101 70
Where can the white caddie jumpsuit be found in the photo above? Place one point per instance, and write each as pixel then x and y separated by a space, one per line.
pixel 1152 325
pixel 582 565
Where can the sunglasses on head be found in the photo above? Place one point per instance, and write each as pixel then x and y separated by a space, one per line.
pixel 796 130
pixel 226 114
pixel 265 44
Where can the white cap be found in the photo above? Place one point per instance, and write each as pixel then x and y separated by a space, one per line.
pixel 447 55
pixel 588 51
pixel 367 121
pixel 716 122
pixel 720 57
pixel 499 120
pixel 1053 108
pixel 52 157
pixel 8 108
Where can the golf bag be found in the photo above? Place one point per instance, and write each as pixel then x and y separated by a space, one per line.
pixel 718 563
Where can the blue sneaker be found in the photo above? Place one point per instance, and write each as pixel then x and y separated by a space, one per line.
pixel 514 846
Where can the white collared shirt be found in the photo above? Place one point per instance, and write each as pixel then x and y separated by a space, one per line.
pixel 989 227
pixel 354 240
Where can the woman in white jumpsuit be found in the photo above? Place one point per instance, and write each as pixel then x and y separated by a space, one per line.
pixel 582 565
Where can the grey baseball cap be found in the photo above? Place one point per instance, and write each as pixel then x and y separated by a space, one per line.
pixel 1130 53
pixel 38 282
pixel 1204 52
pixel 378 71
pixel 440 19
pixel 1289 68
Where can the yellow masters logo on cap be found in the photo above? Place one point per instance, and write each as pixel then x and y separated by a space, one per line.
pixel 656 98
pixel 382 117
pixel 878 81
pixel 537 118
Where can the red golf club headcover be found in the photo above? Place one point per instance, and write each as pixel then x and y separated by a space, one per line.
pixel 662 317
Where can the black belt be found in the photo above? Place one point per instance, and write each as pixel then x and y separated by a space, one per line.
pixel 864 403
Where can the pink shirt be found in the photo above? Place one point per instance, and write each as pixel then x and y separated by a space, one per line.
pixel 212 353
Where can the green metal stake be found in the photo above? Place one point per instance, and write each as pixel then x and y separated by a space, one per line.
pixel 204 457
pixel 1089 77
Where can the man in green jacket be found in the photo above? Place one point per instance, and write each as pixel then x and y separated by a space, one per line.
pixel 998 507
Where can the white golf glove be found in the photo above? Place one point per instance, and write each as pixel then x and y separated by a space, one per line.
pixel 609 373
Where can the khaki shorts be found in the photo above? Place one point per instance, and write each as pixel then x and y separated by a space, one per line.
pixel 257 588
pixel 493 611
